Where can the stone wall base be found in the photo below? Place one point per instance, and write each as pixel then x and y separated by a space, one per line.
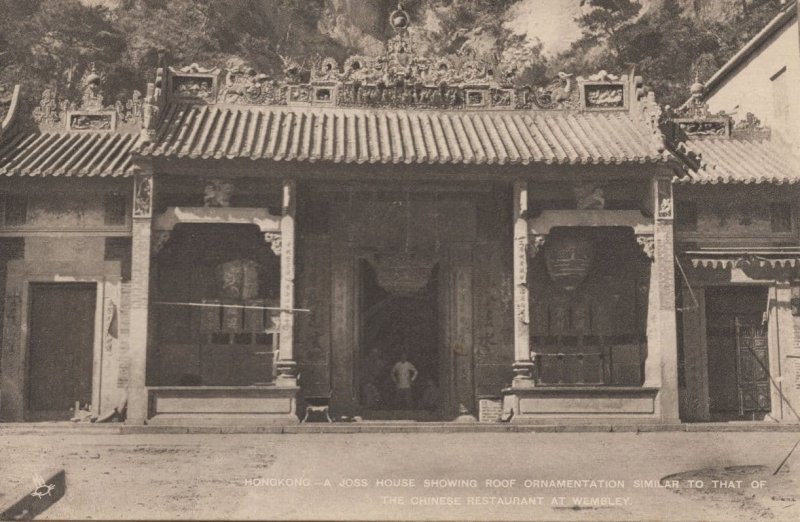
pixel 584 404
pixel 222 405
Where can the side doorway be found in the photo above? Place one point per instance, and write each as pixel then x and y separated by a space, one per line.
pixel 60 349
pixel 738 347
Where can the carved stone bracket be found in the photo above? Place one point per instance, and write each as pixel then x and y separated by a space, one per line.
pixel 647 242
pixel 160 238
pixel 535 245
pixel 274 241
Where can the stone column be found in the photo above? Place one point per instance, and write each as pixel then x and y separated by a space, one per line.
pixel 140 296
pixel 287 367
pixel 661 367
pixel 523 366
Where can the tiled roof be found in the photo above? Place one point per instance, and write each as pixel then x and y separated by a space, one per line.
pixel 732 160
pixel 73 154
pixel 403 136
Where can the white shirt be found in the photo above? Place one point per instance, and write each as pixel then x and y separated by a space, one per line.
pixel 403 374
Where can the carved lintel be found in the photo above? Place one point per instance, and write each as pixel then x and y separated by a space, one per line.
pixel 143 196
pixel 160 239
pixel 647 242
pixel 535 245
pixel 274 241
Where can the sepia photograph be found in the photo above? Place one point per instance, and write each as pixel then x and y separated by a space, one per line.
pixel 417 260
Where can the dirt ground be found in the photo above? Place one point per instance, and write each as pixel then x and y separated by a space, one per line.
pixel 382 476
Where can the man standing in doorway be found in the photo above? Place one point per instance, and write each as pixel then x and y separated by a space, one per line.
pixel 403 374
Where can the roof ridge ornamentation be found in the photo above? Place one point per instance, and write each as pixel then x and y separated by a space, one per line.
pixel 55 113
pixel 6 94
pixel 398 78
pixel 378 82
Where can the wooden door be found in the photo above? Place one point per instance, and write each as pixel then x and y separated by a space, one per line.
pixel 61 346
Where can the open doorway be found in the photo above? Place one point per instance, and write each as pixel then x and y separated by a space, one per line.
pixel 738 360
pixel 399 340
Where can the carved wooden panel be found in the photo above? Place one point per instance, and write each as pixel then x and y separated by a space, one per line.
pixel 462 345
pixel 12 324
pixel 313 330
pixel 342 328
pixel 493 318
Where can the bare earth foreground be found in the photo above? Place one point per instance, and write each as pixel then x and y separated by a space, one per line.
pixel 383 476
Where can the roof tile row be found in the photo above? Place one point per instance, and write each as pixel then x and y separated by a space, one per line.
pixel 67 154
pixel 387 136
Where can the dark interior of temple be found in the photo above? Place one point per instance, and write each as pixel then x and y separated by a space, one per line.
pixel 393 325
pixel 206 275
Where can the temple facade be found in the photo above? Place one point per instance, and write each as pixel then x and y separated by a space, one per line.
pixel 395 238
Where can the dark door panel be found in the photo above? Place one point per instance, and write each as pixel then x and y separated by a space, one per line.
pixel 61 343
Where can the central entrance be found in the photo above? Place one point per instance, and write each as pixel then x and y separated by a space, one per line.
pixel 399 355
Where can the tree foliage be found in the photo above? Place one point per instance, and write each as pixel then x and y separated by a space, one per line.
pixel 669 48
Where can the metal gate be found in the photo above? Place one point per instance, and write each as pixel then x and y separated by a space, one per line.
pixel 752 368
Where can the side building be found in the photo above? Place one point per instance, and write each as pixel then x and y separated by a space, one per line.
pixel 65 242
pixel 738 257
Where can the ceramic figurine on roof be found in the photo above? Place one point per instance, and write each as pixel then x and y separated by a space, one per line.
pixel 92 98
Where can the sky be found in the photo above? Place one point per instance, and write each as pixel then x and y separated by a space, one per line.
pixel 551 21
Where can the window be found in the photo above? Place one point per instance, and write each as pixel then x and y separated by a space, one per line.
pixel 780 217
pixel 15 209
pixel 115 209
pixel 780 99
pixel 686 216
pixel 119 249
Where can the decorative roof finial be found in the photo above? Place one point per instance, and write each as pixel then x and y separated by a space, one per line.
pixel 399 18
pixel 698 88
